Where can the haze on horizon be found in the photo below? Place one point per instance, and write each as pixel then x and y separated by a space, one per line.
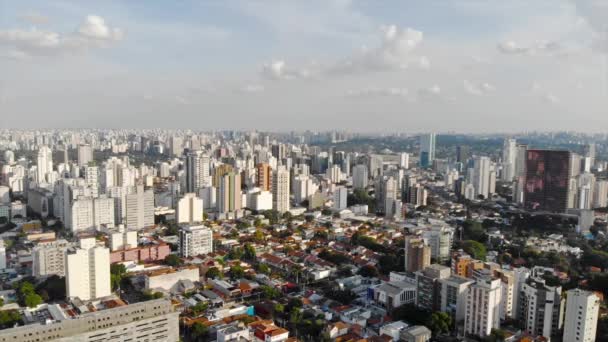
pixel 454 65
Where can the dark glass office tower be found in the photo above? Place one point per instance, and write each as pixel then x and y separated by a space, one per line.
pixel 547 178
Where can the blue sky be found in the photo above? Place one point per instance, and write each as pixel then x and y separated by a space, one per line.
pixel 464 65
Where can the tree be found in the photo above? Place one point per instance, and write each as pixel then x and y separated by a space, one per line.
pixel 173 260
pixel 439 323
pixel 213 273
pixel 8 318
pixel 263 268
pixel 199 331
pixel 475 249
pixel 259 236
pixel 32 300
pixel 249 252
pixel 270 292
pixel 272 216
pixel 200 307
pixel 117 271
pixel 368 271
pixel 236 272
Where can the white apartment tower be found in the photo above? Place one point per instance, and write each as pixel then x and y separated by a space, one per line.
pixel 482 313
pixel 189 209
pixel 280 190
pixel 85 154
pixel 44 164
pixel 360 176
pixel 139 208
pixel 48 258
pixel 195 240
pixel 509 156
pixel 582 309
pixel 87 273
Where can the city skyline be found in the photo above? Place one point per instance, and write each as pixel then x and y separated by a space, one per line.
pixel 469 66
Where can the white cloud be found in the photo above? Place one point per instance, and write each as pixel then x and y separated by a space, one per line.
pixel 253 88
pixel 430 93
pixel 394 52
pixel 95 27
pixel 478 89
pixel 92 33
pixel 278 70
pixel 376 92
pixel 541 47
pixel 595 12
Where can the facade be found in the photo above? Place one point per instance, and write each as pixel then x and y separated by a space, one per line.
pixel 454 296
pixel 360 176
pixel 189 209
pixel 393 294
pixel 153 320
pixel 547 180
pixel 481 177
pixel 340 195
pixel 541 308
pixel 195 240
pixel 264 177
pixel 196 165
pixel 139 208
pixel 428 287
pixel 582 309
pixel 482 312
pixel 427 149
pixel 44 165
pixel 229 196
pixel 85 154
pixel 417 254
pixel 280 190
pixel 88 272
pixel 439 238
pixel 154 252
pixel 48 258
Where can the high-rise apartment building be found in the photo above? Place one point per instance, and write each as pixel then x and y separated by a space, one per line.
pixel 264 177
pixel 44 164
pixel 417 254
pixel 428 296
pixel 547 181
pixel 85 154
pixel 582 309
pixel 482 311
pixel 454 296
pixel 280 190
pixel 196 165
pixel 229 196
pixel 189 209
pixel 195 240
pixel 339 197
pixel 139 208
pixel 87 271
pixel 48 258
pixel 360 176
pixel 509 156
pixel 541 308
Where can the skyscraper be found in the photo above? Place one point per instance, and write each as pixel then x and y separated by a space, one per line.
pixel 360 176
pixel 417 254
pixel 280 190
pixel 509 156
pixel 547 180
pixel 44 164
pixel 229 196
pixel 482 313
pixel 85 154
pixel 481 178
pixel 340 195
pixel 541 308
pixel 427 149
pixel 462 153
pixel 264 177
pixel 196 165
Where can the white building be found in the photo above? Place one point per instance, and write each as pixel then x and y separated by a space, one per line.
pixel 340 195
pixel 280 190
pixel 404 160
pixel 123 240
pixel 334 174
pixel 303 188
pixel 48 258
pixel 509 156
pixel 439 238
pixel 44 165
pixel 139 208
pixel 541 308
pixel 189 209
pixel 482 313
pixel 2 255
pixel 85 154
pixel 195 240
pixel 582 308
pixel 88 271
pixel 427 149
pixel 454 296
pixel 481 177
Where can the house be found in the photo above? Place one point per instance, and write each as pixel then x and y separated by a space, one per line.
pixel 266 331
pixel 224 287
pixel 337 329
pixel 416 333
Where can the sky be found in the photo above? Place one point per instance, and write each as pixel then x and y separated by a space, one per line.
pixel 468 66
